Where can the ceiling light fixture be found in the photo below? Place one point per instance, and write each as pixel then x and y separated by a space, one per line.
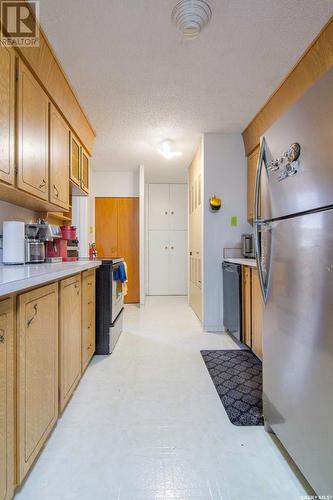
pixel 166 150
pixel 191 16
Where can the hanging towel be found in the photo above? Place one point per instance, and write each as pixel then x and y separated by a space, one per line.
pixel 125 287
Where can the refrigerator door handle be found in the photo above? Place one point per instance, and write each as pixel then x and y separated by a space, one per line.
pixel 257 221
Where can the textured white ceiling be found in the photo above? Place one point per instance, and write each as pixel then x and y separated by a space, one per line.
pixel 140 82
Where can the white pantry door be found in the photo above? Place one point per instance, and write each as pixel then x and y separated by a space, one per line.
pixel 178 207
pixel 158 207
pixel 158 255
pixel 178 263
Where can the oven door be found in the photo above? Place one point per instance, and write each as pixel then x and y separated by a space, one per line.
pixel 117 295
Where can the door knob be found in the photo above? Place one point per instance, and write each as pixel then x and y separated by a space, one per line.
pixel 171 213
pixel 166 213
pixel 166 248
pixel 171 248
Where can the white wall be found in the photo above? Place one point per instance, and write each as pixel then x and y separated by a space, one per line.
pixel 224 176
pixel 13 212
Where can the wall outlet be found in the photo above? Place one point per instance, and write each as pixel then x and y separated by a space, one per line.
pixel 233 221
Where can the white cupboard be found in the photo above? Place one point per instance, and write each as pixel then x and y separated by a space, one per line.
pixel 167 263
pixel 167 207
pixel 167 239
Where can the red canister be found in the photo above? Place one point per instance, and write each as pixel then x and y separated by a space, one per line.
pixel 68 232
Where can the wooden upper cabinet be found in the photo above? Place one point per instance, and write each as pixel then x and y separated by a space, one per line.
pixel 70 337
pixel 33 135
pixel 59 159
pixel 75 160
pixel 7 107
pixel 257 307
pixel 37 379
pixel 85 171
pixel 252 161
pixel 7 443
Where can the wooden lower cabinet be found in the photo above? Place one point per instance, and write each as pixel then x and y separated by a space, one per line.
pixel 7 437
pixel 246 306
pixel 88 317
pixel 70 338
pixel 37 375
pixel 256 314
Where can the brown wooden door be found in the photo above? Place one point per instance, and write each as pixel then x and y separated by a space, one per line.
pixel 59 159
pixel 7 441
pixel 117 235
pixel 33 135
pixel 7 106
pixel 37 381
pixel 70 337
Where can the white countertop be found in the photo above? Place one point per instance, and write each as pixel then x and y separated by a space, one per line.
pixel 19 277
pixel 242 261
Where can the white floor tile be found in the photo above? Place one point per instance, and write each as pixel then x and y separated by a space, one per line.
pixel 147 423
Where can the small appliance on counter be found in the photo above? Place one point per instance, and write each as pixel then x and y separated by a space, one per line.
pixel 13 242
pixel 64 245
pixel 248 246
pixel 34 242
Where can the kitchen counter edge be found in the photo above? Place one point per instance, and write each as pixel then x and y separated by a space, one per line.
pixel 16 278
pixel 242 261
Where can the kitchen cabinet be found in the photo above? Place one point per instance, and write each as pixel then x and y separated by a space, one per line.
pixel 84 171
pixel 195 233
pixel 37 372
pixel 59 159
pixel 167 262
pixel 7 438
pixel 252 161
pixel 75 160
pixel 167 207
pixel 256 314
pixel 88 316
pixel 246 306
pixel 32 135
pixel 7 107
pixel 70 338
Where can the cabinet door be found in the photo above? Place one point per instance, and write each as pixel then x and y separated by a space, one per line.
pixel 257 314
pixel 158 206
pixel 246 306
pixel 75 160
pixel 59 159
pixel 88 317
pixel 33 134
pixel 37 381
pixel 7 439
pixel 85 171
pixel 251 182
pixel 7 107
pixel 178 207
pixel 178 263
pixel 158 268
pixel 70 337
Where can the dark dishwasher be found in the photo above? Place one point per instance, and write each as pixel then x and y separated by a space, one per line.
pixel 232 299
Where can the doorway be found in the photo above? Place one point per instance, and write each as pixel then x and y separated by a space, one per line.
pixel 117 235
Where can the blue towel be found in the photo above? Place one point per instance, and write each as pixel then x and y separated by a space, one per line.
pixel 120 274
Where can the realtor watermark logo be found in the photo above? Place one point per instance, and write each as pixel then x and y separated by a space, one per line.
pixel 19 23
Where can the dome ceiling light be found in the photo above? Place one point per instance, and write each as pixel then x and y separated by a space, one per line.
pixel 191 16
pixel 165 150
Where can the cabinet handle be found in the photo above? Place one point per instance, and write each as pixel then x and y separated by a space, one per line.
pixel 2 336
pixel 56 190
pixel 172 213
pixel 166 248
pixel 166 213
pixel 42 184
pixel 171 248
pixel 33 317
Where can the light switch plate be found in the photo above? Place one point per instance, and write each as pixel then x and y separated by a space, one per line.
pixel 233 221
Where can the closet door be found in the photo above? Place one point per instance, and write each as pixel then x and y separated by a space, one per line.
pixel 178 207
pixel 158 263
pixel 178 263
pixel 158 211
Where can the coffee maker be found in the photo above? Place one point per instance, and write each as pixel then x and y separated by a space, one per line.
pixel 66 247
pixel 34 243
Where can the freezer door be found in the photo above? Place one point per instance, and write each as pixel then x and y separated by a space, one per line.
pixel 306 183
pixel 298 344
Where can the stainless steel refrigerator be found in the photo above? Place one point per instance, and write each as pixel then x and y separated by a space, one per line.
pixel 294 237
